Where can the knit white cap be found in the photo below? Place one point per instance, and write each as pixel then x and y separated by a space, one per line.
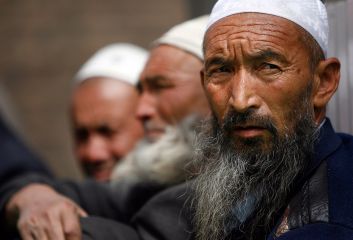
pixel 309 14
pixel 121 61
pixel 187 36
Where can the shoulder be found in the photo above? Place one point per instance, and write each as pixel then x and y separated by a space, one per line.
pixel 347 140
pixel 168 214
pixel 340 183
pixel 319 231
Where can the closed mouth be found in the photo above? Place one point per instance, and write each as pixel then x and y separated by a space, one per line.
pixel 248 131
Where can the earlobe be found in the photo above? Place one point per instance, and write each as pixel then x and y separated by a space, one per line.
pixel 327 78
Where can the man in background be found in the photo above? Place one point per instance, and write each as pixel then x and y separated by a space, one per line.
pixel 103 107
pixel 171 105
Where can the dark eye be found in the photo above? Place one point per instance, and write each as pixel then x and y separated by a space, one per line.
pixel 139 88
pixel 161 85
pixel 81 134
pixel 224 69
pixel 157 86
pixel 269 66
pixel 105 131
pixel 219 70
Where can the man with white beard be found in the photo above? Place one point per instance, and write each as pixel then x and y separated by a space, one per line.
pixel 171 104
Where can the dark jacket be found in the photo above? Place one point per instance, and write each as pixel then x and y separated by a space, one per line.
pixel 325 199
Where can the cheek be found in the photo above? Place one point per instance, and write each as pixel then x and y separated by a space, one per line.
pixel 80 147
pixel 166 105
pixel 127 136
pixel 218 97
pixel 121 144
pixel 283 103
pixel 78 150
pixel 173 104
pixel 133 126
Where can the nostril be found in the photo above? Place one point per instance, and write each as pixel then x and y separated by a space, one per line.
pixel 145 111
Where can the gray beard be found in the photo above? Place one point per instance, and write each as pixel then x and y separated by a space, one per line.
pixel 240 186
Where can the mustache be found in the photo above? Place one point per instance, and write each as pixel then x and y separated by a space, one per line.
pixel 148 125
pixel 235 119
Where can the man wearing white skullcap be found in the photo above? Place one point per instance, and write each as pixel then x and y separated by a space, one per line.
pixel 170 93
pixel 170 82
pixel 103 108
pixel 171 103
pixel 272 166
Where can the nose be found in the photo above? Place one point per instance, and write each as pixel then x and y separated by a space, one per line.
pixel 243 92
pixel 146 108
pixel 95 150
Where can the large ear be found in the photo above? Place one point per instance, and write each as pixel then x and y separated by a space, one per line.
pixel 327 78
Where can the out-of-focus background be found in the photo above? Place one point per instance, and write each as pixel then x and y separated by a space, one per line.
pixel 43 43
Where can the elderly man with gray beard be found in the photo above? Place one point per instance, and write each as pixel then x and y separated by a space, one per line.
pixel 272 166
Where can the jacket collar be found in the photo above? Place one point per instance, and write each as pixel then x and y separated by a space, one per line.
pixel 327 143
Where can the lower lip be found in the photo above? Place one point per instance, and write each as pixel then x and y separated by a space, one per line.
pixel 249 132
pixel 102 175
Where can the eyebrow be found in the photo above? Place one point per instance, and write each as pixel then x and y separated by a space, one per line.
pixel 156 78
pixel 258 56
pixel 268 55
pixel 151 81
pixel 216 61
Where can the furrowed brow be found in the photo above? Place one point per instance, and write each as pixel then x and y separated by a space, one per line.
pixel 267 55
pixel 215 61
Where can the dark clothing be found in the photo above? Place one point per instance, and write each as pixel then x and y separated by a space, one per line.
pixel 167 214
pixel 335 153
pixel 16 159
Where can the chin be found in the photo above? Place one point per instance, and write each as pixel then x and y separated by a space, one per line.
pixel 251 143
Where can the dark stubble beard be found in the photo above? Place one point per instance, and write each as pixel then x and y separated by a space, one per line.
pixel 241 184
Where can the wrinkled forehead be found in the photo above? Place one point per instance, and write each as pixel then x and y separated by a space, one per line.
pixel 167 61
pixel 254 28
pixel 311 15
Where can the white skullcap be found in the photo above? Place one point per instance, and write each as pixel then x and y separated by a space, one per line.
pixel 187 36
pixel 121 61
pixel 309 14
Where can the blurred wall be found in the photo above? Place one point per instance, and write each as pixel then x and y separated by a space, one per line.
pixel 200 7
pixel 340 109
pixel 42 45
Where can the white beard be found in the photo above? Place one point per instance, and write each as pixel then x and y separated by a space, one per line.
pixel 166 161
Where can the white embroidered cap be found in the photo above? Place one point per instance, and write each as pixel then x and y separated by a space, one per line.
pixel 121 61
pixel 309 14
pixel 187 36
